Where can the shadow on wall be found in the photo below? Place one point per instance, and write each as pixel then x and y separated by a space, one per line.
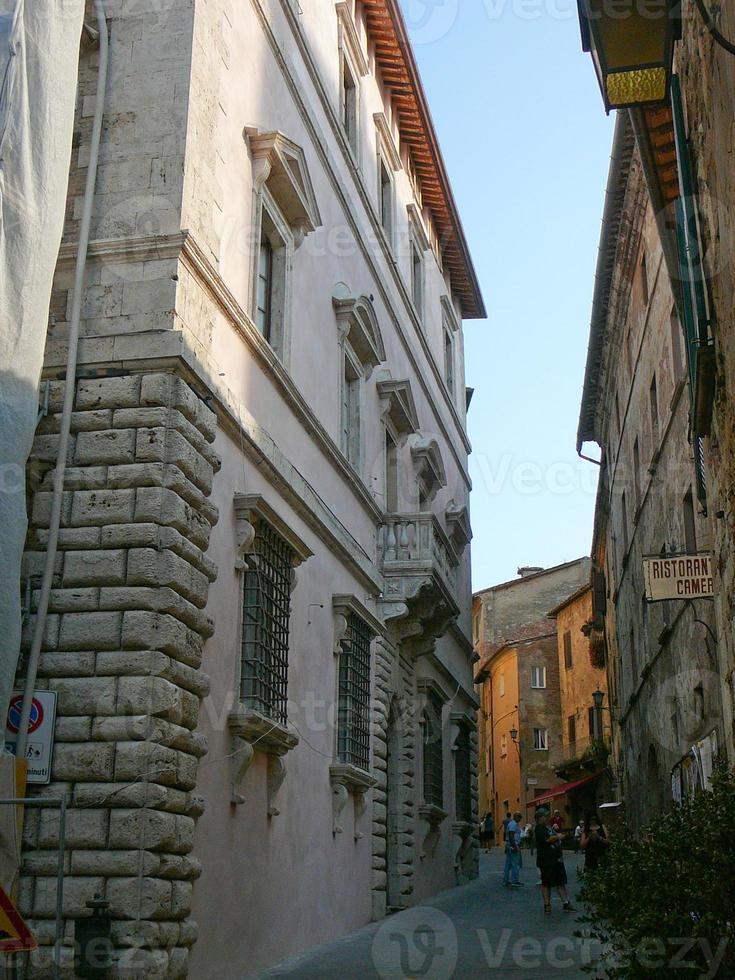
pixel 18 418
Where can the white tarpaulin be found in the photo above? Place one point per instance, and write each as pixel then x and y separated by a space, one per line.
pixel 39 54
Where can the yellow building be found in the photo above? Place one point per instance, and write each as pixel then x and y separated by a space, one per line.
pixel 584 704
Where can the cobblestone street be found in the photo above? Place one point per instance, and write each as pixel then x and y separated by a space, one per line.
pixel 479 930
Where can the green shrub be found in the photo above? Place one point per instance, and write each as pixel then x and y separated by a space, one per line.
pixel 663 902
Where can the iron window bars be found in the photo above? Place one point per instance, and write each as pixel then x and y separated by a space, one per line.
pixel 266 612
pixel 462 776
pixel 433 763
pixel 353 718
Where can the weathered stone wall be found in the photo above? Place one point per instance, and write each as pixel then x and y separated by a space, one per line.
pixel 660 653
pixel 122 650
pixel 708 88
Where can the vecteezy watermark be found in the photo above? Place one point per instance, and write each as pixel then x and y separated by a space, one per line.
pixel 429 20
pixel 421 942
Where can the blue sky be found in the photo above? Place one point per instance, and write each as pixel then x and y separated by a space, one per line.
pixel 527 146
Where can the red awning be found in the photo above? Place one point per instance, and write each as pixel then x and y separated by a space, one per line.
pixel 563 789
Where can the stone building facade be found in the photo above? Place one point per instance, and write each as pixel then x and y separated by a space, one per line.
pixel 585 727
pixel 517 679
pixel 707 80
pixel 664 682
pixel 259 628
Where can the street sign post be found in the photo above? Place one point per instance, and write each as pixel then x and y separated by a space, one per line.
pixel 40 733
pixel 678 577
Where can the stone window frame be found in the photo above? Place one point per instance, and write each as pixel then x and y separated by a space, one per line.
pixel 249 728
pixel 351 441
pixel 450 331
pixel 462 728
pixel 418 246
pixel 388 157
pixel 346 778
pixel 282 188
pixel 282 243
pixel 434 698
pixel 353 59
pixel 361 347
pixel 543 740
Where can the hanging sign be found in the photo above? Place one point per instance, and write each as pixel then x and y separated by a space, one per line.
pixel 680 577
pixel 40 733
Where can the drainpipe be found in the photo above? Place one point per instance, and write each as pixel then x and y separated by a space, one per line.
pixel 71 371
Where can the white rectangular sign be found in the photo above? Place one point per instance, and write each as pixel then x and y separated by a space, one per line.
pixel 40 733
pixel 680 577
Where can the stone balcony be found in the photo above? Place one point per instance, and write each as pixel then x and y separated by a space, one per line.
pixel 420 568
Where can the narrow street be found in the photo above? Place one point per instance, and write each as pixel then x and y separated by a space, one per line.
pixel 478 930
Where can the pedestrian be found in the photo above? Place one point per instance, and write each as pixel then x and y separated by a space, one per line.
pixel 578 831
pixel 512 870
pixel 556 823
pixel 506 821
pixel 550 862
pixel 595 842
pixel 487 831
pixel 528 837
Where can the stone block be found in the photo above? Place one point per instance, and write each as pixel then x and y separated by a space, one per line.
pixel 77 892
pixel 154 296
pixel 74 729
pixel 86 696
pixel 99 507
pixel 90 630
pixel 157 696
pixel 67 664
pixel 148 566
pixel 84 828
pixel 162 506
pixel 106 567
pixel 70 600
pixel 96 393
pixel 181 895
pixel 147 898
pixel 105 446
pixel 150 629
pixel 153 830
pixel 41 513
pixel 117 864
pixel 83 761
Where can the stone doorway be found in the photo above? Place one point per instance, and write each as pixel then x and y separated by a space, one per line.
pixel 393 808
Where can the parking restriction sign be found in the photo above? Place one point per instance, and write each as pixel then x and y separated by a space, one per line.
pixel 40 743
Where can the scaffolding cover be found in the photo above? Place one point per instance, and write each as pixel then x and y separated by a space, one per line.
pixel 39 54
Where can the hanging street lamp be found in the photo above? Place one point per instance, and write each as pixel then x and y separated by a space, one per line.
pixel 632 48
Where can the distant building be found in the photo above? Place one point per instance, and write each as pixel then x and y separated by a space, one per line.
pixel 520 721
pixel 665 688
pixel 585 726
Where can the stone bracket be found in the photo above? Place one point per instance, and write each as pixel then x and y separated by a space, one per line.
pixel 249 728
pixel 434 816
pixel 347 779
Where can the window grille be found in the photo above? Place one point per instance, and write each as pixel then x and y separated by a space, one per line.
pixel 353 722
pixel 433 755
pixel 266 611
pixel 463 776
